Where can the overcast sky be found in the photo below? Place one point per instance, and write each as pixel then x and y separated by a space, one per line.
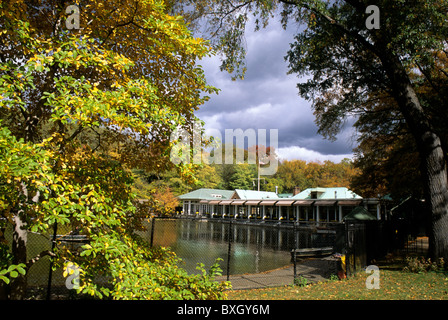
pixel 268 98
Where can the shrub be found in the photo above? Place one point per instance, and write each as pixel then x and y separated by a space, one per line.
pixel 419 265
pixel 301 281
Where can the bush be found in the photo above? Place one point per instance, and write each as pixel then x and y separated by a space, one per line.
pixel 137 272
pixel 301 281
pixel 419 265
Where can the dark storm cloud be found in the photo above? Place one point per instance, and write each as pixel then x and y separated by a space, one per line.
pixel 268 99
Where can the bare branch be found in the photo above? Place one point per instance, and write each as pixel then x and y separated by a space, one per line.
pixel 45 253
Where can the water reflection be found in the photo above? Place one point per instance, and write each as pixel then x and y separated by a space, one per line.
pixel 253 248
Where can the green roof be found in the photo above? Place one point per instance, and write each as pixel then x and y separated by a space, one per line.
pixel 216 194
pixel 360 214
pixel 207 194
pixel 327 194
pixel 285 195
pixel 255 195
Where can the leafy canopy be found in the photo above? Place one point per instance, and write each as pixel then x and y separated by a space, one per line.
pixel 78 108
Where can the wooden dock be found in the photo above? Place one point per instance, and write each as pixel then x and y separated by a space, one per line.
pixel 311 252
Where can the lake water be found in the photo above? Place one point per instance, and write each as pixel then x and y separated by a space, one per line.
pixel 254 249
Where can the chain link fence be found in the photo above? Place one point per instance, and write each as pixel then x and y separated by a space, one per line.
pixel 251 255
pixel 45 281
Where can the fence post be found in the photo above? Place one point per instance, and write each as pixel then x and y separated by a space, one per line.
pixel 348 249
pixel 50 272
pixel 229 249
pixel 153 222
pixel 294 253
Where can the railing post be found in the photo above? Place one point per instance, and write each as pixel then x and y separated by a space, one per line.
pixel 229 251
pixel 153 222
pixel 294 253
pixel 50 272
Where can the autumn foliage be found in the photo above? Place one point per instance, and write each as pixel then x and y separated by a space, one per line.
pixel 78 108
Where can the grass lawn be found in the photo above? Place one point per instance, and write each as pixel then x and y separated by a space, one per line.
pixel 394 285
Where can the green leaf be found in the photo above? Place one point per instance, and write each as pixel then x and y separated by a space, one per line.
pixel 21 270
pixel 5 279
pixel 86 253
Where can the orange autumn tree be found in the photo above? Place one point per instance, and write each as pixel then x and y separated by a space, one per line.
pixel 303 174
pixel 165 201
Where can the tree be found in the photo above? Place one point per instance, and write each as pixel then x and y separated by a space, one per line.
pixel 208 177
pixel 292 174
pixel 337 174
pixel 156 197
pixel 243 177
pixel 79 107
pixel 273 184
pixel 163 202
pixel 299 173
pixel 348 61
pixel 363 61
pixel 395 169
pixel 386 155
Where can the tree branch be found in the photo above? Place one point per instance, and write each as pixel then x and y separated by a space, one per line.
pixel 45 253
pixel 77 131
pixel 334 22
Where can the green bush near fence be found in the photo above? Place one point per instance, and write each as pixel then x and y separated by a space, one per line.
pixel 154 274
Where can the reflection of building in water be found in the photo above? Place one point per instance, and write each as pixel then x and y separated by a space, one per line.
pixel 311 206
pixel 215 231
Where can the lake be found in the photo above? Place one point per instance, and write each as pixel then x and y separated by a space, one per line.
pixel 254 248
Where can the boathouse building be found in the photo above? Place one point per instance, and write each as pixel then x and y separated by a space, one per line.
pixel 313 205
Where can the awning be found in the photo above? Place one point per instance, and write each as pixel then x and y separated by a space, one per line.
pixel 285 203
pixel 325 203
pixel 349 202
pixel 214 201
pixel 203 201
pixel 268 202
pixel 303 202
pixel 252 202
pixel 225 202
pixel 238 202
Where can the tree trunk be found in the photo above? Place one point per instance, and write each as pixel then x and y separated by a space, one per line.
pixel 432 155
pixel 18 285
pixel 4 291
pixel 434 171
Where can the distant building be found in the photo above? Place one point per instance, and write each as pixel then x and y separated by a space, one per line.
pixel 313 205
